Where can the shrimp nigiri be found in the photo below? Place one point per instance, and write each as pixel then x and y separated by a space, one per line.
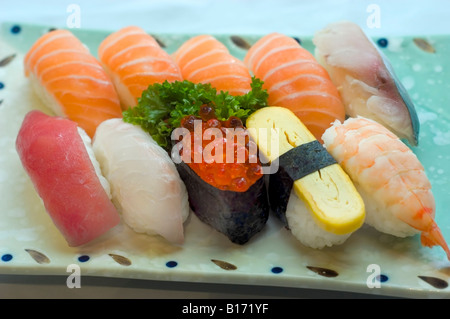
pixel 204 59
pixel 295 80
pixel 365 79
pixel 71 81
pixel 389 177
pixel 134 60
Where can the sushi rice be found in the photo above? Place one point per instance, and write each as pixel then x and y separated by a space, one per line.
pixel 45 95
pixel 305 229
pixel 382 219
pixel 90 150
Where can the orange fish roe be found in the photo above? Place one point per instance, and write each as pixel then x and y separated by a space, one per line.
pixel 221 152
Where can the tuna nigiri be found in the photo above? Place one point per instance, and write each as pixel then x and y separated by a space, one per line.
pixel 204 59
pixel 389 177
pixel 295 80
pixel 365 79
pixel 58 157
pixel 134 60
pixel 71 81
pixel 145 184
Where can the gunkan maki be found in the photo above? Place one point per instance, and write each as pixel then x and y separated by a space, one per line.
pixel 216 159
pixel 223 175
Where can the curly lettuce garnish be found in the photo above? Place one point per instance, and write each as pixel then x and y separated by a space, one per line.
pixel 162 106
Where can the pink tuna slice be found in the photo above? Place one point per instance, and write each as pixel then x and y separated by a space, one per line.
pixel 57 162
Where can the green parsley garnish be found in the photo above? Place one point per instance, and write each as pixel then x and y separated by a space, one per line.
pixel 162 106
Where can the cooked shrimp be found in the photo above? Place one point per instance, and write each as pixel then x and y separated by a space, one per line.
pixel 389 177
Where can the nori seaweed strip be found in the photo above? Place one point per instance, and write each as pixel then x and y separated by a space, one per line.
pixel 293 165
pixel 238 215
pixel 279 189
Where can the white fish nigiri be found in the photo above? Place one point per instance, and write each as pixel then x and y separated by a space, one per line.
pixel 388 176
pixel 145 185
pixel 365 79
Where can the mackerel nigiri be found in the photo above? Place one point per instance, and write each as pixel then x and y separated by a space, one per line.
pixel 365 79
pixel 204 59
pixel 389 177
pixel 295 80
pixel 71 81
pixel 134 60
pixel 58 157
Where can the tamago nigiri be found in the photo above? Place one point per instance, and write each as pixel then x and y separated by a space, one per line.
pixel 71 81
pixel 204 59
pixel 388 176
pixel 295 80
pixel 309 192
pixel 134 60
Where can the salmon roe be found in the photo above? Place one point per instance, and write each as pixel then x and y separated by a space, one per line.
pixel 221 152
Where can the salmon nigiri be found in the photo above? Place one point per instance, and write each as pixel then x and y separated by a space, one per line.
pixel 71 81
pixel 204 59
pixel 389 177
pixel 134 60
pixel 295 80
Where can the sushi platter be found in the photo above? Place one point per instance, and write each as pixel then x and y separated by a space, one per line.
pixel 367 262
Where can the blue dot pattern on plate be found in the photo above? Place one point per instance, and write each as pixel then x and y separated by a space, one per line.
pixel 382 42
pixel 83 258
pixel 277 270
pixel 382 278
pixel 7 257
pixel 1 85
pixel 15 29
pixel 171 264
